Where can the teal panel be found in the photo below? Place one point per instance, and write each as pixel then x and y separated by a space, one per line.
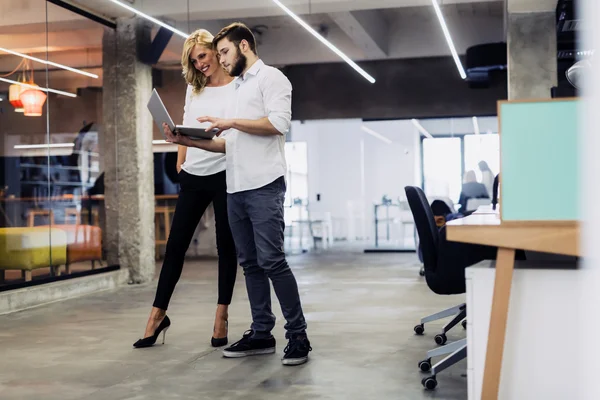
pixel 539 161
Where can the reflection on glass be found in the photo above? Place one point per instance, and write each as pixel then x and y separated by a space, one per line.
pixel 51 161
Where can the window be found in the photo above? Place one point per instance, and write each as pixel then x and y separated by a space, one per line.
pixel 442 167
pixel 482 148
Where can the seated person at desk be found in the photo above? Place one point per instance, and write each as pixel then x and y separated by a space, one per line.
pixel 471 189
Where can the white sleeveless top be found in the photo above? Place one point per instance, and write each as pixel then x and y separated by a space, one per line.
pixel 213 102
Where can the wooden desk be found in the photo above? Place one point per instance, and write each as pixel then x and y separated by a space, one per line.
pixel 488 229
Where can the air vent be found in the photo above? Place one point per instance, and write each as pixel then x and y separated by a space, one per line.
pixel 572 26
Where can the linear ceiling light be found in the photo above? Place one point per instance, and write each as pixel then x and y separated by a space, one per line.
pixel 43 89
pixel 440 16
pixel 149 18
pixel 476 125
pixel 421 129
pixel 77 71
pixel 325 42
pixel 45 146
pixel 375 134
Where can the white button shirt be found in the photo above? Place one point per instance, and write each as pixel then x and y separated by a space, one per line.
pixel 255 161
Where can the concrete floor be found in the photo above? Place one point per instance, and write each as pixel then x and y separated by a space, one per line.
pixel 360 308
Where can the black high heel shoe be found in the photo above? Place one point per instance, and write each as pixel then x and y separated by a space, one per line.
pixel 219 342
pixel 150 340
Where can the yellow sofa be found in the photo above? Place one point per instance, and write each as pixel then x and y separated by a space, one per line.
pixel 31 248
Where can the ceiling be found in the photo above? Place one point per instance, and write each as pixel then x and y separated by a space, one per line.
pixel 363 29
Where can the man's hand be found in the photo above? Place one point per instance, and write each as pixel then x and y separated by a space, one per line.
pixel 176 137
pixel 217 123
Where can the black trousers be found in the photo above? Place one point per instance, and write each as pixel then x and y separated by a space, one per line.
pixel 196 193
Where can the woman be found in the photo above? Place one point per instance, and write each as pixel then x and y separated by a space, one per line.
pixel 487 176
pixel 202 180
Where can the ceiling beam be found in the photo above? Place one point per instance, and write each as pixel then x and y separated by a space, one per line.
pixel 367 29
pixel 531 6
pixel 77 9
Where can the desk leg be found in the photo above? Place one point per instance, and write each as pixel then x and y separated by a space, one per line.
pixel 505 264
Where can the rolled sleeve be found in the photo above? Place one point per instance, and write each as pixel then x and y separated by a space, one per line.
pixel 277 92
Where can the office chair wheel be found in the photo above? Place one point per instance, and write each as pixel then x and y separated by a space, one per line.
pixel 429 383
pixel 425 365
pixel 419 329
pixel 464 324
pixel 441 339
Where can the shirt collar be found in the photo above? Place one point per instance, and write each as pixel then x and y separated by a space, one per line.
pixel 253 70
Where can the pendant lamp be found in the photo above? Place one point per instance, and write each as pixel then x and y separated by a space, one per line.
pixel 14 93
pixel 33 102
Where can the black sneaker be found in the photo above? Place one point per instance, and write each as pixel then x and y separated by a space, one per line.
pixel 296 352
pixel 250 347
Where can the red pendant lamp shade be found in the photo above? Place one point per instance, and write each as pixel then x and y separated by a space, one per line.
pixel 14 92
pixel 33 102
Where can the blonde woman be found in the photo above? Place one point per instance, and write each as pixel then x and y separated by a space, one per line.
pixel 202 180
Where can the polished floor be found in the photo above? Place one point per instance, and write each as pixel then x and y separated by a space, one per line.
pixel 361 309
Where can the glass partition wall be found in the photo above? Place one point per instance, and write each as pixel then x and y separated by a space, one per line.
pixel 51 157
pixel 456 150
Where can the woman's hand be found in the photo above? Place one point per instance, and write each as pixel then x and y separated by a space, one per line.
pixel 176 137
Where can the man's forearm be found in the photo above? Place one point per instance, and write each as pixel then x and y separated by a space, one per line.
pixel 216 145
pixel 259 127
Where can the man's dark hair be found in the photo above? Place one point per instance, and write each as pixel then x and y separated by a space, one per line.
pixel 235 33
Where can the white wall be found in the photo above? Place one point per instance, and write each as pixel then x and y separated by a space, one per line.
pixel 588 326
pixel 350 182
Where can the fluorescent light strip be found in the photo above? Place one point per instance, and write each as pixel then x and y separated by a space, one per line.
pixel 440 16
pixel 325 42
pixel 77 71
pixel 476 125
pixel 421 129
pixel 375 134
pixel 149 18
pixel 39 88
pixel 45 146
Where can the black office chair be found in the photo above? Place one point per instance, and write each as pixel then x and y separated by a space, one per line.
pixel 445 264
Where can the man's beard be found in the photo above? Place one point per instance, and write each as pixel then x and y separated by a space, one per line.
pixel 240 64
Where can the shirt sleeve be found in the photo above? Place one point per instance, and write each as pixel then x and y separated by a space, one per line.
pixel 186 106
pixel 277 93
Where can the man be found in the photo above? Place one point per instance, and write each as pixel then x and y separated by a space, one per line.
pixel 256 168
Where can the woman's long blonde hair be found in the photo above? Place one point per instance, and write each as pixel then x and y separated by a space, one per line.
pixel 191 75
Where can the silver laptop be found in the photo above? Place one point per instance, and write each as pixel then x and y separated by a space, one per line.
pixel 161 115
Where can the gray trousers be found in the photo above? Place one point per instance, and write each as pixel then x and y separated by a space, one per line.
pixel 257 225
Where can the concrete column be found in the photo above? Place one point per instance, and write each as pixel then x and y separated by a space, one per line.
pixel 127 150
pixel 531 31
